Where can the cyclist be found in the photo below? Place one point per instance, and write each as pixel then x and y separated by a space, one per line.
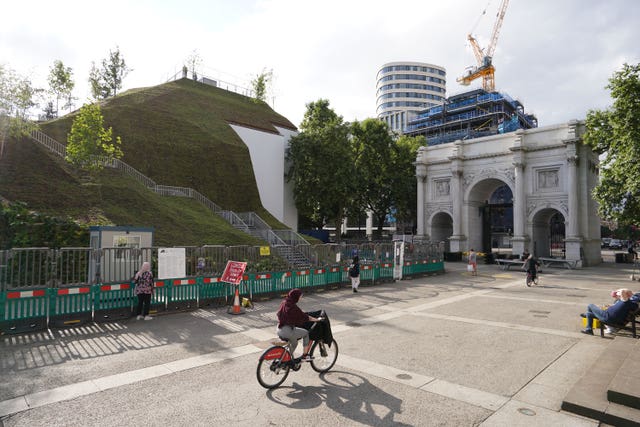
pixel 291 320
pixel 531 266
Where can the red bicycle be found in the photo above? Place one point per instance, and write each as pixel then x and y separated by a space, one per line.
pixel 277 361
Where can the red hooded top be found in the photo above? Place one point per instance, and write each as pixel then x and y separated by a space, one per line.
pixel 289 314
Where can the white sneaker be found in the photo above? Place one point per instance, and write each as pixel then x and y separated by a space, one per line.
pixel 148 318
pixel 140 317
pixel 610 330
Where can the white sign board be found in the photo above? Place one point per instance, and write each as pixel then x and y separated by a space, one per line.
pixel 171 263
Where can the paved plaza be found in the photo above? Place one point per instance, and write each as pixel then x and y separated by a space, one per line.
pixel 443 350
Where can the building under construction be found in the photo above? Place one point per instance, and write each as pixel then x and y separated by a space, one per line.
pixel 470 115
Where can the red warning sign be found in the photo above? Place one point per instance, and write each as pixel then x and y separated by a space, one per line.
pixel 233 272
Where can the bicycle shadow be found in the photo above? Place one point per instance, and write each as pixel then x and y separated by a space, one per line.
pixel 348 394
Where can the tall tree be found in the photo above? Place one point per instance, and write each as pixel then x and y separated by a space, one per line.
pixel 374 154
pixel 107 80
pixel 385 171
pixel 260 85
pixel 404 184
pixel 89 144
pixel 615 133
pixel 17 98
pixel 321 166
pixel 193 62
pixel 61 82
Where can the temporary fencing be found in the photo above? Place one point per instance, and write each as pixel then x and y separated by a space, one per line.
pixel 33 297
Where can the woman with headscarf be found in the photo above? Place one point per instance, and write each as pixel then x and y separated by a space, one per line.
pixel 144 289
pixel 291 320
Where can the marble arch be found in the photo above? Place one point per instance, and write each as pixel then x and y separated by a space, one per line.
pixel 547 169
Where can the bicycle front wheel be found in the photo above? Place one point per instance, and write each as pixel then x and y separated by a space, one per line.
pixel 273 367
pixel 324 356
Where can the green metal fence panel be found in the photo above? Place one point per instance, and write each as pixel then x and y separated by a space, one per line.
pixel 319 277
pixel 211 291
pixel 112 301
pixel 282 281
pixel 334 275
pixel 70 306
pixel 160 296
pixel 385 271
pixel 435 266
pixel 296 279
pixel 262 283
pixel 367 273
pixel 407 269
pixel 183 294
pixel 302 279
pixel 23 311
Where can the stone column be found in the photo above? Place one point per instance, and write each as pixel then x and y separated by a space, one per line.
pixel 421 176
pixel 573 239
pixel 572 186
pixel 457 190
pixel 519 241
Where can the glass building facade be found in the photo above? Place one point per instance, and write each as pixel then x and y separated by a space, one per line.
pixel 403 89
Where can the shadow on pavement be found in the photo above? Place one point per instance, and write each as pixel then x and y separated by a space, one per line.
pixel 349 394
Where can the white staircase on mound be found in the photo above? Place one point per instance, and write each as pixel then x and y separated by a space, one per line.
pixel 248 222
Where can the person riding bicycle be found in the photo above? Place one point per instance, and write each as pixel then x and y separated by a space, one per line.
pixel 291 321
pixel 531 266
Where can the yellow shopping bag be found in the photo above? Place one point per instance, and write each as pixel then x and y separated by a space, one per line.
pixel 596 323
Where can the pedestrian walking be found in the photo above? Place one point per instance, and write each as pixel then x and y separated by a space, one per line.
pixel 144 289
pixel 354 273
pixel 473 262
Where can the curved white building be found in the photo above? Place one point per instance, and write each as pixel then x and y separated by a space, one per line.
pixel 405 88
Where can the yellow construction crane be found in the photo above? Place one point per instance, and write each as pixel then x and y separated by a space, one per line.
pixel 485 68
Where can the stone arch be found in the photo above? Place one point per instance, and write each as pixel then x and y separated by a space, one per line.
pixel 477 208
pixel 545 241
pixel 441 228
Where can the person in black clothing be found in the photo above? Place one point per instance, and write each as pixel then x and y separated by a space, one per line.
pixel 354 273
pixel 632 251
pixel 531 266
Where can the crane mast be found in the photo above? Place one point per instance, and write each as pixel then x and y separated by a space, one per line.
pixel 484 58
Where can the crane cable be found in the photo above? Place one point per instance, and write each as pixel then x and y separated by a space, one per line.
pixel 484 12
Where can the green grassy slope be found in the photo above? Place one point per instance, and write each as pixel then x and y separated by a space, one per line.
pixel 175 133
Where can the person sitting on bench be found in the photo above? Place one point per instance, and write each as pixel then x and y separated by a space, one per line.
pixel 615 314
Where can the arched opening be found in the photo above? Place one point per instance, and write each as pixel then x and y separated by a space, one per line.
pixel 549 234
pixel 491 226
pixel 442 228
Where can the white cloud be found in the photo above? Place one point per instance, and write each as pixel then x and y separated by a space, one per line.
pixel 554 56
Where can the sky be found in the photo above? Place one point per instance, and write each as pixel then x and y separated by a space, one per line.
pixel 554 56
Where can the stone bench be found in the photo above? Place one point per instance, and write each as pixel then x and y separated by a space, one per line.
pixel 568 263
pixel 506 264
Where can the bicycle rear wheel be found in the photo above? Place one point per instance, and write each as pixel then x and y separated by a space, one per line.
pixel 324 356
pixel 273 367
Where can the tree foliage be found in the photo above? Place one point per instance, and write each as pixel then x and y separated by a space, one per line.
pixel 615 133
pixel 17 97
pixel 385 170
pixel 107 80
pixel 194 61
pixel 22 228
pixel 260 85
pixel 341 170
pixel 405 186
pixel 321 166
pixel 89 144
pixel 61 84
pixel 374 151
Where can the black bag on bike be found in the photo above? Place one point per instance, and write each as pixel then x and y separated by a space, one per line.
pixel 320 331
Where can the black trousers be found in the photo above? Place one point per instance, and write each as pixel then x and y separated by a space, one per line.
pixel 144 302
